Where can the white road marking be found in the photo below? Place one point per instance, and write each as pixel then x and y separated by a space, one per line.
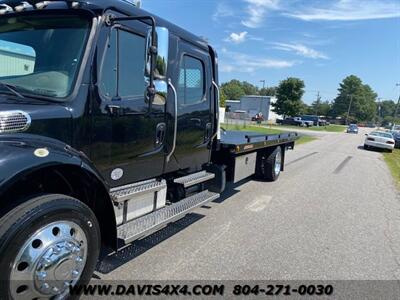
pixel 259 204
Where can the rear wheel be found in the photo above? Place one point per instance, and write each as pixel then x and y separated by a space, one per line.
pixel 269 165
pixel 47 244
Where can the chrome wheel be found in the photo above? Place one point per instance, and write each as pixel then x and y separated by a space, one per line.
pixel 278 163
pixel 49 262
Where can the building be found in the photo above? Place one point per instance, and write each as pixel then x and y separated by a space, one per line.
pixel 15 62
pixel 252 105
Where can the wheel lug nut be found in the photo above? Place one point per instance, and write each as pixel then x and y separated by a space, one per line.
pixel 55 290
pixel 45 286
pixel 42 275
pixel 79 259
pixel 47 261
pixel 75 273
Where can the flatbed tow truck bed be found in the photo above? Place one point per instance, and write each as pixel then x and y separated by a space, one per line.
pixel 240 142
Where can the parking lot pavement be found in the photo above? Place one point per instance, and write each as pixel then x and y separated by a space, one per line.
pixel 333 214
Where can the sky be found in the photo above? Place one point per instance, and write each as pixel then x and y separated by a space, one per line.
pixel 319 41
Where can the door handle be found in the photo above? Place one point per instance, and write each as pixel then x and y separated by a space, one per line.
pixel 160 134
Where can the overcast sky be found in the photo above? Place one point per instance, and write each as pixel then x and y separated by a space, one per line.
pixel 320 41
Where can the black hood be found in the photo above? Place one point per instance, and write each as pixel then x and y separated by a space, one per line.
pixel 48 119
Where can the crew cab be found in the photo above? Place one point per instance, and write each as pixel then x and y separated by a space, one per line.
pixel 109 130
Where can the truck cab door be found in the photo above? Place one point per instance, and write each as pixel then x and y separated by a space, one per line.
pixel 128 137
pixel 192 77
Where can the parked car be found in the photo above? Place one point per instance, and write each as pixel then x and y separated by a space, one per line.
pixel 317 121
pixel 379 139
pixel 353 128
pixel 396 136
pixel 296 121
pixel 396 128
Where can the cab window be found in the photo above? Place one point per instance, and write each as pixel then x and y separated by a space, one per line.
pixel 191 85
pixel 123 68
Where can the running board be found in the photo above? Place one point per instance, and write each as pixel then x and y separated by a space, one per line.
pixel 124 193
pixel 194 179
pixel 149 223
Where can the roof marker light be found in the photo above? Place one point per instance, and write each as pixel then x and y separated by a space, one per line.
pixel 41 5
pixel 75 4
pixel 5 9
pixel 24 5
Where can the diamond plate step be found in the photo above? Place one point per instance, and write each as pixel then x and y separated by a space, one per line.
pixel 151 222
pixel 195 178
pixel 123 193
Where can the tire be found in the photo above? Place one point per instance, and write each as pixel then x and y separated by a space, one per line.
pixel 64 234
pixel 366 147
pixel 268 165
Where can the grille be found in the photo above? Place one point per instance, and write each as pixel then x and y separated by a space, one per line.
pixel 14 121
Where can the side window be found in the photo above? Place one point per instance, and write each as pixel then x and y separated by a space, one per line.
pixel 191 87
pixel 108 76
pixel 122 74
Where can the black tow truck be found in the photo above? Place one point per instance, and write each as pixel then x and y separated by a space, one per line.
pixel 109 130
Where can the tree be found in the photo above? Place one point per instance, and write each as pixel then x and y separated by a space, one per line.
pixel 320 108
pixel 387 108
pixel 233 90
pixel 249 89
pixel 357 97
pixel 268 91
pixel 222 98
pixel 289 94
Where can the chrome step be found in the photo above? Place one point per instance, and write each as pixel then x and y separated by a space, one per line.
pixel 126 192
pixel 151 222
pixel 195 178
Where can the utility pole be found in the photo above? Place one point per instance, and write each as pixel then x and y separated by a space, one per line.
pixel 348 112
pixel 263 82
pixel 398 103
pixel 318 102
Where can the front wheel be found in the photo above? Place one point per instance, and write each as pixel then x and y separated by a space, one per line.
pixel 269 165
pixel 47 245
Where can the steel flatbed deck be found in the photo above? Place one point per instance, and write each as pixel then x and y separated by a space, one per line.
pixel 240 142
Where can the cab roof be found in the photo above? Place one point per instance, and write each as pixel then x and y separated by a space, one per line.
pixel 99 7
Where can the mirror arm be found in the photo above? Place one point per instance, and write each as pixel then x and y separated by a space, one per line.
pixel 151 91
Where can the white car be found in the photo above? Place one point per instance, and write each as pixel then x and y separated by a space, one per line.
pixel 379 139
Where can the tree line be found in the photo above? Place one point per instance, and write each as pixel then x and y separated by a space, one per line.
pixel 355 101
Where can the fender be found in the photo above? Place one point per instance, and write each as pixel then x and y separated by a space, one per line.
pixel 21 154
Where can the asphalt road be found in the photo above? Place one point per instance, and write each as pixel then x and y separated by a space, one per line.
pixel 333 214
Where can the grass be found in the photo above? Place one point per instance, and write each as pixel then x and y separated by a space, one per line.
pixel 305 139
pixel 329 128
pixel 260 129
pixel 247 127
pixel 393 162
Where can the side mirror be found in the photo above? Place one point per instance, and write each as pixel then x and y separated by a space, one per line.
pixel 158 72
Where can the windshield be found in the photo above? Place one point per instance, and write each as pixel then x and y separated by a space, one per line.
pixel 382 134
pixel 41 55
